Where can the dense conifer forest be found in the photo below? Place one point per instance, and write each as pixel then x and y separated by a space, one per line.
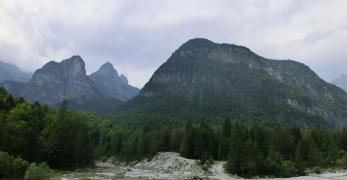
pixel 36 135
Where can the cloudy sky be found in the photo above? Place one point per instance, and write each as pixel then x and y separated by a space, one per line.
pixel 139 35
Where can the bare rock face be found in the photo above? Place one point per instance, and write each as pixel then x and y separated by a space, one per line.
pixel 55 82
pixel 113 85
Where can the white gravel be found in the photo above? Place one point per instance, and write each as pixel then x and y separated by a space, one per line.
pixel 172 166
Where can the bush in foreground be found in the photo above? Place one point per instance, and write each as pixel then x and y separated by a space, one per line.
pixel 11 167
pixel 38 172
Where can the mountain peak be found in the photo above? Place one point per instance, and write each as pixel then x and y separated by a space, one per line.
pixel 107 65
pixel 198 43
pixel 201 47
pixel 74 66
pixel 112 85
pixel 58 81
pixel 75 58
pixel 108 69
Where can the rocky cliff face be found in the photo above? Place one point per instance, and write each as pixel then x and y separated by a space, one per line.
pixel 55 82
pixel 10 72
pixel 113 85
pixel 341 82
pixel 206 80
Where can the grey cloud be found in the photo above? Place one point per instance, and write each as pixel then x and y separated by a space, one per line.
pixel 137 36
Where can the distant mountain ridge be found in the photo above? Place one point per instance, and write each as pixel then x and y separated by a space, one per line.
pixel 102 92
pixel 206 81
pixel 341 82
pixel 55 82
pixel 15 88
pixel 10 72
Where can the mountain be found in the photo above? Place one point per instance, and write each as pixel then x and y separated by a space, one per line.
pixel 15 88
pixel 100 105
pixel 55 82
pixel 10 72
pixel 206 81
pixel 341 82
pixel 112 85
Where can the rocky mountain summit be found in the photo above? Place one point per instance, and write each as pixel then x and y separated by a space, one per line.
pixel 110 84
pixel 101 92
pixel 55 82
pixel 203 80
pixel 341 82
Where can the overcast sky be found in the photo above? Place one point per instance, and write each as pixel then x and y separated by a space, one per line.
pixel 137 36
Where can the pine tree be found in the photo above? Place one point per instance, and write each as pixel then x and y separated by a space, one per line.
pixel 164 139
pixel 187 144
pixel 301 157
pixel 226 128
pixel 314 156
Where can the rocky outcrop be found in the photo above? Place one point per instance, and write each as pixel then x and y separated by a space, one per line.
pixel 113 85
pixel 55 82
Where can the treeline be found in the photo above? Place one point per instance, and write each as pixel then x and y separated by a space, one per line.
pixel 35 133
pixel 249 150
pixel 64 139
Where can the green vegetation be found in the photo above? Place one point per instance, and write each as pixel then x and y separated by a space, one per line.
pixel 198 84
pixel 64 139
pixel 11 167
pixel 38 172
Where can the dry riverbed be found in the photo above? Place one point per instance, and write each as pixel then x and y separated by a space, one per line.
pixel 169 166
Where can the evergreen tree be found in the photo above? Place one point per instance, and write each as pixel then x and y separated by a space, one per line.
pixel 226 128
pixel 187 145
pixel 314 156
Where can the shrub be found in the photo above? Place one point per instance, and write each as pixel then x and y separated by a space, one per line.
pixel 342 162
pixel 288 169
pixel 317 170
pixel 38 172
pixel 11 167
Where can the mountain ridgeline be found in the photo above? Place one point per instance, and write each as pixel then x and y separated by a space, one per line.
pixel 206 81
pixel 101 92
pixel 10 72
pixel 341 82
pixel 55 82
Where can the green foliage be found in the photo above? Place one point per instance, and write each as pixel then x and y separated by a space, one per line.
pixel 288 169
pixel 65 139
pixel 38 172
pixel 342 162
pixel 317 170
pixel 39 134
pixel 11 167
pixel 199 85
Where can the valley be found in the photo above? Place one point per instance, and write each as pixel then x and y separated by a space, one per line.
pixel 173 90
pixel 218 108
